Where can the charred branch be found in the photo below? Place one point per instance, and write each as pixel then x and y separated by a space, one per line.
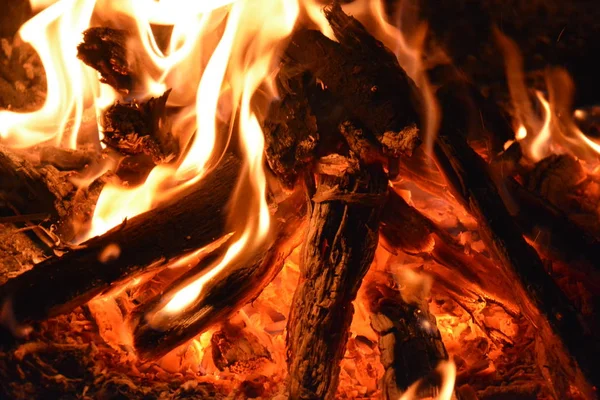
pixel 469 178
pixel 156 331
pixel 336 254
pixel 150 240
pixel 30 188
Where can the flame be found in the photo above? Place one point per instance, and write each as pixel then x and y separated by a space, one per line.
pixel 554 131
pixel 447 372
pixel 55 33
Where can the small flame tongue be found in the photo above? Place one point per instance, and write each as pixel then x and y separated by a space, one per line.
pixel 554 131
pixel 447 373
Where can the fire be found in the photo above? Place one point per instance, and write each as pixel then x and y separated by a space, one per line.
pixel 55 33
pixel 553 130
pixel 220 57
pixel 447 372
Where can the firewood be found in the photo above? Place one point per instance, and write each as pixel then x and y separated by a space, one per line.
pixel 469 178
pixel 409 341
pixel 147 241
pixel 336 254
pixel 290 132
pixel 363 76
pixel 156 333
pixel 66 159
pixel 140 128
pixel 105 50
pixel 31 188
pixel 553 231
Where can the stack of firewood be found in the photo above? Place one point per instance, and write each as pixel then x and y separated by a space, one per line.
pixel 346 123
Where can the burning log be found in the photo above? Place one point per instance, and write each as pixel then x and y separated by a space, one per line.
pixel 363 76
pixel 468 177
pixel 135 128
pixel 553 231
pixel 105 50
pixel 35 185
pixel 290 132
pixel 409 341
pixel 32 189
pixel 336 254
pixel 147 241
pixel 156 331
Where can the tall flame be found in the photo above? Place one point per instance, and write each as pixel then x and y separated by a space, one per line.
pixel 55 33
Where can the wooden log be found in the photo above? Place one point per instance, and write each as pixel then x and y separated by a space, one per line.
pixel 141 128
pixel 105 50
pixel 552 230
pixel 290 130
pixel 31 188
pixel 149 240
pixel 409 341
pixel 540 297
pixel 363 76
pixel 157 332
pixel 336 254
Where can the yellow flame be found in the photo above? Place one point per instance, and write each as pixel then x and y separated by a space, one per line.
pixel 542 138
pixel 55 33
pixel 521 132
pixel 447 371
pixel 260 40
pixel 554 131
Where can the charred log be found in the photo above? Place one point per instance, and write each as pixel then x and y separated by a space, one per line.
pixel 290 132
pixel 135 128
pixel 403 228
pixel 363 76
pixel 105 50
pixel 156 331
pixel 409 341
pixel 468 176
pixel 553 231
pixel 147 241
pixel 31 188
pixel 336 254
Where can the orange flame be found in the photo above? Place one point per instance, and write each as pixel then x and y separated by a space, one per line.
pixel 55 33
pixel 447 371
pixel 554 131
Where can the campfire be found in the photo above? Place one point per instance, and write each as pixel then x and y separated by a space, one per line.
pixel 289 199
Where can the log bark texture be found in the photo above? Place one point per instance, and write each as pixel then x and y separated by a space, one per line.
pixel 337 252
pixel 149 240
pixel 157 332
pixel 469 178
